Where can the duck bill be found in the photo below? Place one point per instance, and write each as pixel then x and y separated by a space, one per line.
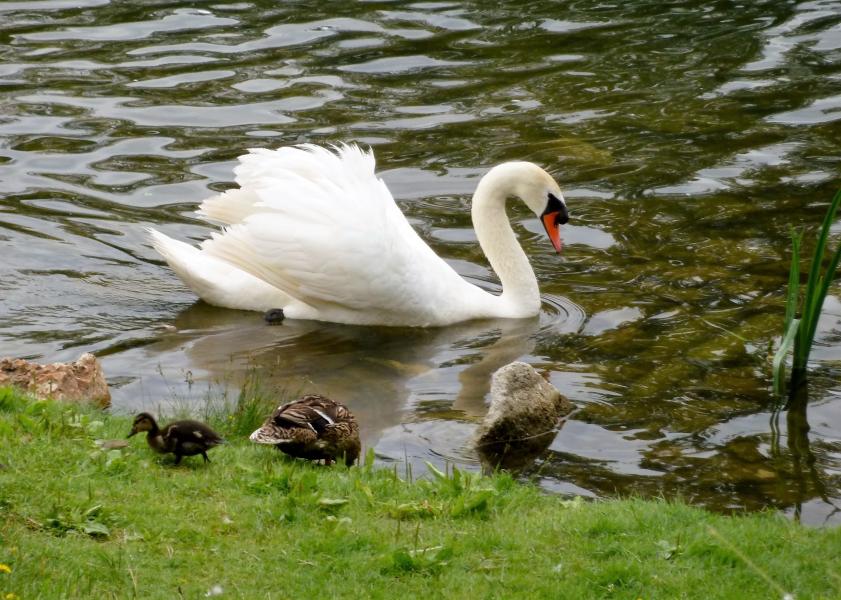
pixel 133 431
pixel 553 229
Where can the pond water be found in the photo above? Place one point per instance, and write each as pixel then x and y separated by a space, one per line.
pixel 688 138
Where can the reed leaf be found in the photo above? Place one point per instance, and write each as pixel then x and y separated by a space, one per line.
pixel 793 278
pixel 800 333
pixel 824 290
pixel 779 365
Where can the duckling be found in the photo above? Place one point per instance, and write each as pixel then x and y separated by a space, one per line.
pixel 182 438
pixel 524 417
pixel 312 427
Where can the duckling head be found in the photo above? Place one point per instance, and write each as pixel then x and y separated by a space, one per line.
pixel 143 422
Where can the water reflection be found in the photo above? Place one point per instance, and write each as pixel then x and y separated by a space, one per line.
pixel 381 373
pixel 808 479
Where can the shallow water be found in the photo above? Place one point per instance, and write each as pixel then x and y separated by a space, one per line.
pixel 688 137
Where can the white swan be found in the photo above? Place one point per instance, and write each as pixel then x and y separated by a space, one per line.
pixel 316 233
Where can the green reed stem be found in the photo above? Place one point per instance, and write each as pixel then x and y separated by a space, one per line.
pixel 799 334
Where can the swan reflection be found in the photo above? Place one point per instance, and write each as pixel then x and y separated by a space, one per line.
pixel 390 377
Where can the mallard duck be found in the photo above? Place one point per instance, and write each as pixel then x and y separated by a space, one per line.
pixel 312 427
pixel 524 417
pixel 182 438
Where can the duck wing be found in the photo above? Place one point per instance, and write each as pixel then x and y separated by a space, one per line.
pixel 313 411
pixel 302 421
pixel 321 227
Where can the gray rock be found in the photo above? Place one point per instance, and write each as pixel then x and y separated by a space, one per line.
pixel 524 417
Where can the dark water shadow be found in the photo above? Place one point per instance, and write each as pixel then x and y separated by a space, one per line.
pixel 808 480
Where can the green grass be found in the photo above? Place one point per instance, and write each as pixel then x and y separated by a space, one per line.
pixel 801 319
pixel 79 521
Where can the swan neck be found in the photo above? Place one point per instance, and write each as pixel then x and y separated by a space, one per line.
pixel 520 291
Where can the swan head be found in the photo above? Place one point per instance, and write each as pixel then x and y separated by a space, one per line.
pixel 536 188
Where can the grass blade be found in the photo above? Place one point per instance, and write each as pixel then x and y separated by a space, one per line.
pixel 779 365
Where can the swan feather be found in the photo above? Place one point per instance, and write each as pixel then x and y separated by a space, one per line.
pixel 315 232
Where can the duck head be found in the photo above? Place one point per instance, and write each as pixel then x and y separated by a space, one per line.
pixel 143 422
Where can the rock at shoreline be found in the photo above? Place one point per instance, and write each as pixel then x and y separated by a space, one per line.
pixel 80 381
pixel 524 417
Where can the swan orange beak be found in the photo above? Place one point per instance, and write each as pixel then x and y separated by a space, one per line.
pixel 553 217
pixel 553 230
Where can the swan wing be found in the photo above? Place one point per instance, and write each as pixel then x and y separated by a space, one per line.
pixel 323 228
pixel 229 207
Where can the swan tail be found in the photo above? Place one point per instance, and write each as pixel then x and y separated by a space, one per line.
pixel 214 280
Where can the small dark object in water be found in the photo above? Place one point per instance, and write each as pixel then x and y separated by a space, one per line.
pixel 274 316
pixel 182 438
pixel 312 427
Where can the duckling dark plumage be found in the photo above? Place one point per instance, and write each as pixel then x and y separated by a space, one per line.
pixel 312 427
pixel 182 438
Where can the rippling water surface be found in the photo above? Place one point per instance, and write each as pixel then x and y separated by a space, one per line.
pixel 688 137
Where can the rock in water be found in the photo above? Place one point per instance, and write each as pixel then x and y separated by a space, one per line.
pixel 525 414
pixel 80 381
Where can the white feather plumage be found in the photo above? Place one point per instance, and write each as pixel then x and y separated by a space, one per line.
pixel 317 233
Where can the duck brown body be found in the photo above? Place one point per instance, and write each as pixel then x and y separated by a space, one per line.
pixel 312 427
pixel 182 438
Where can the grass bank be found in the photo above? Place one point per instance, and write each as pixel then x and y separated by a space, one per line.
pixel 81 521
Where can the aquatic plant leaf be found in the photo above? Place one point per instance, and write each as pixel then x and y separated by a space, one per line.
pixel 779 364
pixel 826 281
pixel 815 294
pixel 801 337
pixel 793 279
